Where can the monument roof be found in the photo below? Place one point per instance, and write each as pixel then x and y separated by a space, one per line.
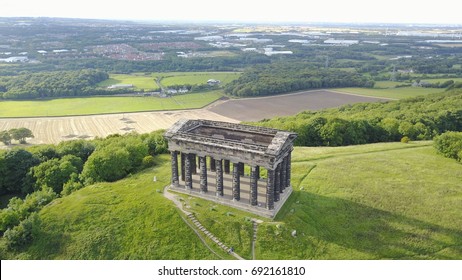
pixel 254 139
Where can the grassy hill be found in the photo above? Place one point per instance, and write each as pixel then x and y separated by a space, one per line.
pixel 377 201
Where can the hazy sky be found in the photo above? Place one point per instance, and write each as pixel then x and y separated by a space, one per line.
pixel 383 11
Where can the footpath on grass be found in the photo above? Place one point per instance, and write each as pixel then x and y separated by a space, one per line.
pixel 197 227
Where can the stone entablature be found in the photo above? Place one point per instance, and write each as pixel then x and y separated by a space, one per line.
pixel 231 146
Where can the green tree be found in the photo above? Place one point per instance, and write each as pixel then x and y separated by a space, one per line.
pixel 79 148
pixel 107 164
pixel 3 171
pixel 54 173
pixel 44 152
pixel 391 126
pixel 17 164
pixel 449 144
pixel 72 185
pixel 24 233
pixel 5 137
pixel 21 134
pixel 334 132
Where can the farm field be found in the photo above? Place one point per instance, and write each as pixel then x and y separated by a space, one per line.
pixel 397 201
pixel 391 92
pixel 147 82
pixel 194 78
pixel 54 130
pixel 104 105
pixel 139 81
pixel 255 109
pixel 57 129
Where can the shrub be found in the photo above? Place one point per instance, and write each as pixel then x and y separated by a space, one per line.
pixel 405 139
pixel 449 144
pixel 24 233
pixel 72 185
pixel 8 219
pixel 148 161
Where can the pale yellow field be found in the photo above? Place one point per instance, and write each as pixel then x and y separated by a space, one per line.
pixel 56 129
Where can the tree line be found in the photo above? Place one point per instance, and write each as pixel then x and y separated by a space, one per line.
pixel 42 173
pixel 285 77
pixel 419 118
pixel 53 84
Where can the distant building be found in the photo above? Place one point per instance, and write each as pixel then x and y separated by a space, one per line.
pixel 15 59
pixel 341 42
pixel 120 86
pixel 271 52
pixel 209 38
pixel 213 82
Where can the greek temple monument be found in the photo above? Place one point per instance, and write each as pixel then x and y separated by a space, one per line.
pixel 243 166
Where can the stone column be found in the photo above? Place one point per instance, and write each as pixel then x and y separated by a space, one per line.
pixel 193 164
pixel 227 169
pixel 203 167
pixel 188 171
pixel 182 167
pixel 283 174
pixel 241 169
pixel 289 167
pixel 219 169
pixel 258 172
pixel 254 174
pixel 277 182
pixel 212 164
pixel 175 181
pixel 236 182
pixel 270 190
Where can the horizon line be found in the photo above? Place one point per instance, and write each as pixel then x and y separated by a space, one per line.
pixel 240 21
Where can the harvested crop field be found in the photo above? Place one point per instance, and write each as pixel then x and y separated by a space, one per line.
pixel 255 109
pixel 56 129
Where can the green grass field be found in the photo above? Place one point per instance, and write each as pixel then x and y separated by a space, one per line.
pixel 387 90
pixel 103 105
pixel 139 81
pixel 195 78
pixel 376 201
pixel 147 82
pixel 379 201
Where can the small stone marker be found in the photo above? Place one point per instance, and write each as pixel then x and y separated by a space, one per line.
pixel 154 179
pixel 294 233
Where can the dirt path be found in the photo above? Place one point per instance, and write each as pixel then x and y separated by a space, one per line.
pixel 198 227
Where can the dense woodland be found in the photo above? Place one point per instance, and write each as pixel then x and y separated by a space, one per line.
pixel 420 118
pixel 285 77
pixel 52 84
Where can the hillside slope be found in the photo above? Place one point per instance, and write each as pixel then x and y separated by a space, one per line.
pixel 376 201
pixel 379 201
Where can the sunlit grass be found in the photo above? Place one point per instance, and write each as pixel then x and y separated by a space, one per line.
pixel 104 105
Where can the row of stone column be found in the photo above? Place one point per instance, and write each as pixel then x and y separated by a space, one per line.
pixel 278 179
